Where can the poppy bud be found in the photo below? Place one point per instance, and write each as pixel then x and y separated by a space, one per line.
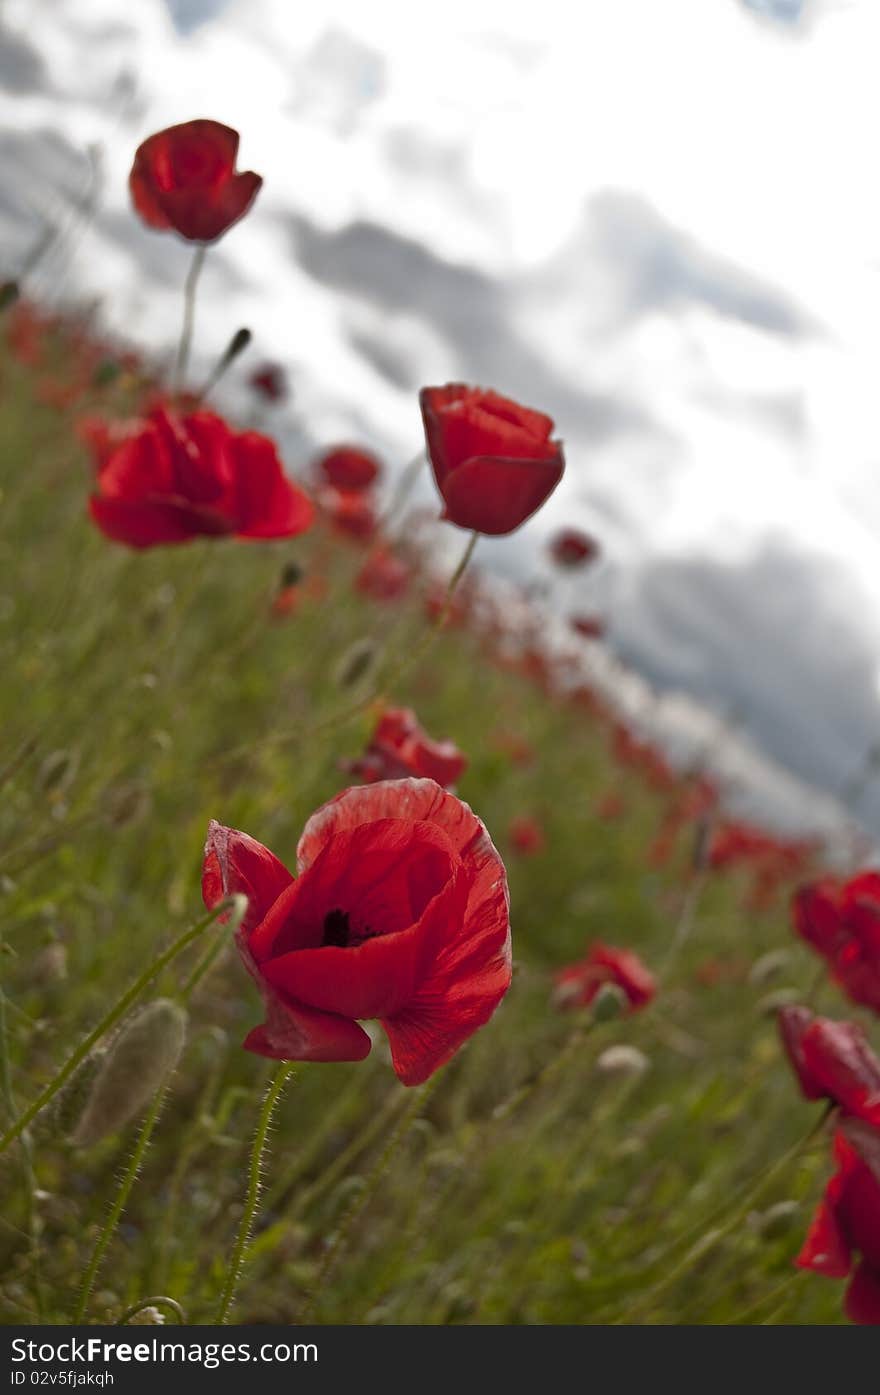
pixel 238 343
pixel 107 371
pixel 291 575
pixel 622 1060
pixel 135 1064
pixel 609 1002
pixel 355 663
pixel 769 1005
pixel 769 966
pixel 57 771
pixel 776 1221
pixel 68 1106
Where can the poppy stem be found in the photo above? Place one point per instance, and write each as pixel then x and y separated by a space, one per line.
pixel 337 1241
pixel 405 485
pixel 189 315
pixel 126 1183
pixel 252 1196
pixel 158 1300
pixel 233 906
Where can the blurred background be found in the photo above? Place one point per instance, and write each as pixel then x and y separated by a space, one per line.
pixel 656 220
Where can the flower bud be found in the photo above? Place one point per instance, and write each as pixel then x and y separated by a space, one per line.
pixel 776 1221
pixel 355 663
pixel 291 575
pixel 622 1060
pixel 608 1003
pixel 58 771
pixel 769 966
pixel 134 1066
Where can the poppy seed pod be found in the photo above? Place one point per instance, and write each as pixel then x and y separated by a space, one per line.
pixel 622 1059
pixel 134 1066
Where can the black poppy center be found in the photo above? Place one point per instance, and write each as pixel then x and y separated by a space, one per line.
pixel 339 931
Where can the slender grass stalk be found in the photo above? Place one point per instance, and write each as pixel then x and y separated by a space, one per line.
pixel 232 904
pixel 252 1195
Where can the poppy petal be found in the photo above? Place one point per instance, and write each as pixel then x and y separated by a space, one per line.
pixel 495 496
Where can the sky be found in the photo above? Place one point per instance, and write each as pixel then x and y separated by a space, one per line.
pixel 655 219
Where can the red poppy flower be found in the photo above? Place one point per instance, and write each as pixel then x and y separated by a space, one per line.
pixel 173 478
pixel 832 1060
pixel 399 912
pixel 350 511
pixel 588 626
pixel 577 984
pixel 526 835
pixel 399 746
pixel 841 921
pixel 571 548
pixel 383 576
pixel 349 468
pixel 493 460
pixel 184 178
pixel 848 1221
pixel 269 382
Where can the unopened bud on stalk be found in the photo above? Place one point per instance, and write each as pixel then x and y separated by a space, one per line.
pixel 107 371
pixel 291 575
pixel 608 1003
pixel 135 1064
pixel 355 663
pixel 776 1221
pixel 769 966
pixel 58 771
pixel 769 1005
pixel 237 344
pixel 622 1060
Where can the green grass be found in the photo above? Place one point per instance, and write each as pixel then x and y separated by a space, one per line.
pixel 143 694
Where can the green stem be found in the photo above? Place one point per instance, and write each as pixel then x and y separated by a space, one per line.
pixel 127 1182
pixel 159 1300
pixel 109 1020
pixel 239 1252
pixel 336 1243
pixel 568 1050
pixel 189 314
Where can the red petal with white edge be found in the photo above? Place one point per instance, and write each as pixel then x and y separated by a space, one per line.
pixel 825 1249
pixel 862 1301
pixel 235 862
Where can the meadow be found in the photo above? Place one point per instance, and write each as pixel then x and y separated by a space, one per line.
pixel 613 1162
